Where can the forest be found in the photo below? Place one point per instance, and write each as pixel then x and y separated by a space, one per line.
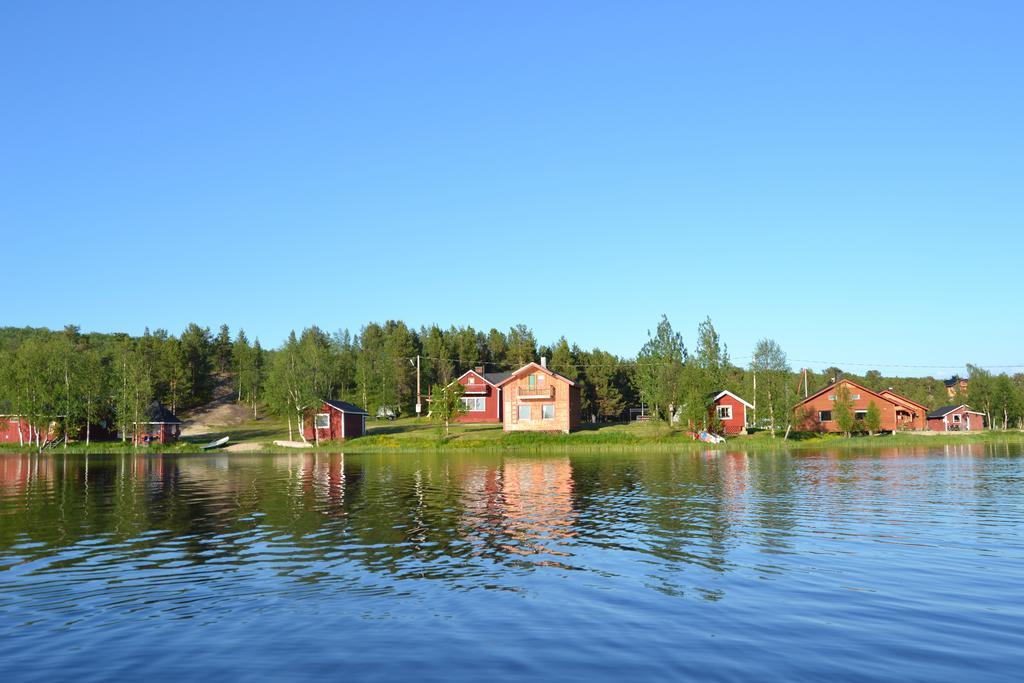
pixel 97 385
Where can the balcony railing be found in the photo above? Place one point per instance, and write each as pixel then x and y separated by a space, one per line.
pixel 536 392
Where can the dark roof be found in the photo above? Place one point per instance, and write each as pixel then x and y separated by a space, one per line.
pixel 953 381
pixel 346 407
pixel 943 411
pixel 157 413
pixel 496 377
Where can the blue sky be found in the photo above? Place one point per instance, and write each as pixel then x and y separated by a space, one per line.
pixel 844 179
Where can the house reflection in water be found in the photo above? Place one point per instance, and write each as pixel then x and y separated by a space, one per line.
pixel 18 472
pixel 522 507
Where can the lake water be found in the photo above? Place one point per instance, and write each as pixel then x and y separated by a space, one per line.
pixel 897 565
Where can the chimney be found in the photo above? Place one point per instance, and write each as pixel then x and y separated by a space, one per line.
pixel 544 362
pixel 479 369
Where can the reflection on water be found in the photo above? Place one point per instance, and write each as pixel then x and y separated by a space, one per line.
pixel 901 564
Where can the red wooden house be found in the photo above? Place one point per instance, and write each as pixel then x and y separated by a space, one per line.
pixel 731 411
pixel 481 395
pixel 956 419
pixel 161 426
pixel 335 421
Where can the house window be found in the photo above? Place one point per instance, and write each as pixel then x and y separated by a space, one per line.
pixel 547 411
pixel 824 416
pixel 540 378
pixel 724 412
pixel 533 381
pixel 323 421
pixel 474 404
pixel 854 397
pixel 956 418
pixel 832 397
pixel 860 415
pixel 472 380
pixel 524 413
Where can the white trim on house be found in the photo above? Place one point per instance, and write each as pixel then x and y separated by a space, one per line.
pixel 477 401
pixel 727 409
pixel 726 392
pixel 474 372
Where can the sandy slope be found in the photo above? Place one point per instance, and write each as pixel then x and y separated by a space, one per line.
pixel 221 412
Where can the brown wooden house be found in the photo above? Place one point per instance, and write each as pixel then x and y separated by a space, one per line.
pixel 909 414
pixel 815 413
pixel 535 399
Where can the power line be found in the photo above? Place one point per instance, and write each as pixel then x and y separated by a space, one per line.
pixel 823 363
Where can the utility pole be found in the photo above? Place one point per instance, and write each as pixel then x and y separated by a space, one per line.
pixel 419 393
pixel 755 399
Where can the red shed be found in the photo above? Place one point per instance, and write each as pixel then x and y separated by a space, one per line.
pixel 336 421
pixel 956 419
pixel 481 395
pixel 161 426
pixel 16 429
pixel 731 411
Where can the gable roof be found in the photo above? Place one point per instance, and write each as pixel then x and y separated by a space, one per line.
pixel 492 378
pixel 832 385
pixel 954 380
pixel 346 407
pixel 156 413
pixel 715 395
pixel 942 412
pixel 534 366
pixel 903 399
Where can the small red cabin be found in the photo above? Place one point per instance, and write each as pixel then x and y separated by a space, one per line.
pixel 956 419
pixel 335 421
pixel 731 411
pixel 161 427
pixel 481 395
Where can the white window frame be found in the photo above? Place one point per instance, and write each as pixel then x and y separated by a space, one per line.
pixel 832 397
pixel 529 412
pixel 316 421
pixel 956 418
pixel 854 397
pixel 475 400
pixel 544 408
pixel 727 410
pixel 820 419
pixel 860 412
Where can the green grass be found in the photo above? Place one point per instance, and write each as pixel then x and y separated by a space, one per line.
pixel 419 434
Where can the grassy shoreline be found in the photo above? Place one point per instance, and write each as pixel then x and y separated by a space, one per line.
pixel 413 435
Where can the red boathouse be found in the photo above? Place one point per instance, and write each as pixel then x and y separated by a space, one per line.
pixel 335 421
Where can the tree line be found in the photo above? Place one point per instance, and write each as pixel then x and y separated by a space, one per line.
pixel 86 381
